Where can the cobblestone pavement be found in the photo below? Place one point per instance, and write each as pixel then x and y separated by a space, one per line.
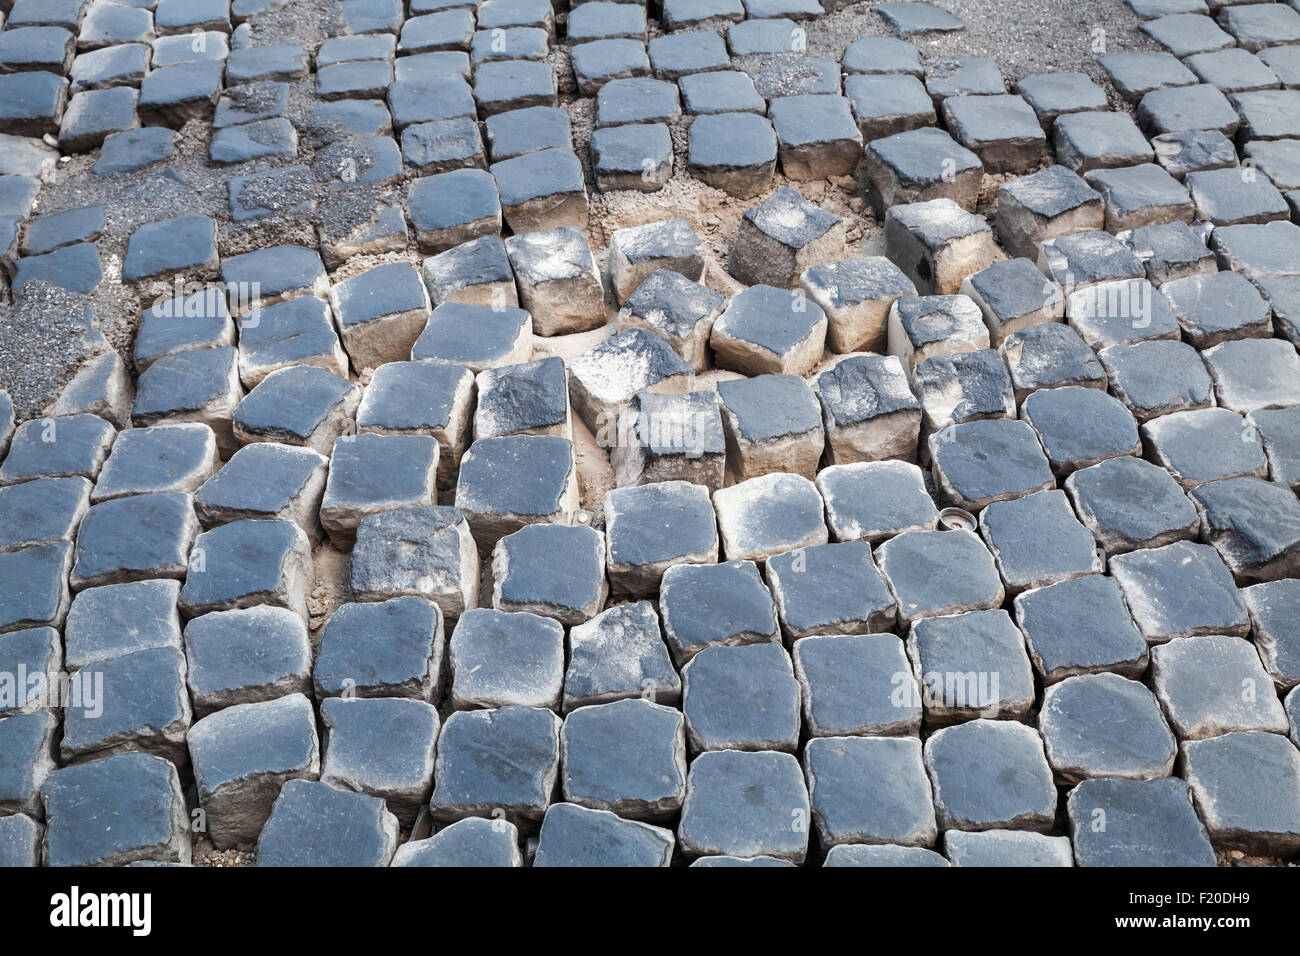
pixel 716 432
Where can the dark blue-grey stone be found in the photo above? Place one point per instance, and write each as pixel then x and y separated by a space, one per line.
pixel 628 757
pixel 676 55
pixel 499 659
pixel 243 755
pixel 885 854
pixel 135 538
pixel 116 810
pixel 619 654
pixel 423 552
pixel 1050 356
pixel 20 841
pixel 526 576
pixel 576 836
pixel 171 245
pixel 1079 427
pixel 745 804
pixel 200 320
pixel 979 462
pixel 1036 540
pixel 42 511
pixel 939 572
pixel 1180 590
pixel 869 790
pixel 600 61
pixel 529 398
pixel 108 622
pixel 391 648
pixel 35 650
pixel 506 483
pixel 1254 525
pixel 1274 608
pixel 51 231
pixel 1080 626
pixel 313 824
pixel 1102 725
pixel 1246 788
pixel 712 604
pixel 523 131
pixel 34 586
pixel 143 705
pixel 265 480
pixel 277 270
pixel 990 774
pixel 300 405
pixel 856 684
pixel 267 137
pixel 249 562
pixel 1128 503
pixel 1218 307
pixel 971 665
pixel 1143 823
pixel 75 268
pixel 472 842
pixel 277 61
pixel 875 500
pixel 245 656
pixel 173 95
pixel 28 754
pixel 741 698
pixel 504 760
pixel 830 589
pixel 134 149
pixel 382 747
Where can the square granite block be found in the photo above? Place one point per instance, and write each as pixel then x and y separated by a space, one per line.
pixel 1080 626
pixel 851 686
pixel 392 648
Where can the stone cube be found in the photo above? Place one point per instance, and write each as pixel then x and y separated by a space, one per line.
pixel 423 552
pixel 245 656
pixel 135 538
pixel 971 665
pixel 717 818
pixel 918 166
pixel 670 438
pixel 872 790
pixel 970 580
pixel 626 756
pixel 1157 377
pixel 1180 590
pixel 266 480
pixel 772 423
pixel 1080 626
pixel 541 190
pixel 1148 823
pixel 733 152
pixel 314 824
pixel 1103 725
pixel 371 473
pixel 320 410
pixel 557 279
pixel 392 648
pixel 988 775
pixel 506 483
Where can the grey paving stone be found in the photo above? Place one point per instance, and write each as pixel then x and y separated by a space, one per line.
pixel 526 399
pixel 856 685
pixel 619 654
pixel 134 149
pixel 937 244
pixel 875 500
pixel 1272 608
pixel 154 717
pixel 917 166
pixel 498 659
pixel 516 132
pixel 339 120
pixel 57 447
pixel 109 622
pixel 1001 848
pixel 1245 787
pixel 963 76
pixel 276 61
pixel 443 145
pixel 392 648
pixel 75 268
pixel 720 91
pixel 636 156
pixel 887 103
pixel 541 190
pixel 716 604
pixel 558 282
pixel 772 423
pixel 575 836
pixel 766 330
pixel 243 756
pixel 1013 296
pixel 1252 374
pixel 906 19
pixel 424 552
pixel 474 273
pixel 1080 427
pixel 135 538
pixel 93 115
pixel 20 841
pixel 383 747
pixel 1143 195
pixel 355 79
pixel 36 586
pixel 1278 429
pixel 1204 445
pixel 962 387
pixel 377 231
pixel 764 516
pixel 970 665
pixel 856 295
pixel 1037 541
pixel 1257 251
pixel 380 313
pixel 872 790
pixel 174 95
pixel 718 819
pixel 248 562
pixel 1080 626
pixel 1186 33
pixel 454 207
pixel 669 245
pixel 990 774
pixel 163 458
pixel 671 438
pixel 1121 313
pixel 1232 197
pixel 604 379
pixel 764 35
pixel 734 152
pixel 1180 590
pixel 101 386
pixel 1102 725
pixel 1045 205
pixel 1097 140
pixel 1255 29
pixel 1283 61
pixel 372 473
pixel 637 100
pixel 299 332
pixel 207 46
pixel 1193 150
pixel 1175 110
pixel 470 842
pixel 525 580
pixel 42 511
pixel 970 581
pixel 32 102
pixel 980 462
pixel 184 244
pixel 1171 251
pixel 503 85
pixel 115 810
pixel 298 405
pixel 186 16
pixel 511 43
pixel 492 493
pixel 1279 160
pixel 1233 70
pixel 1052 95
pixel 251 101
pixel 276 273
pixel 874 54
pixel 627 756
pixel 676 55
pixel 34 650
pixel 266 480
pixel 863 854
pixel 736 861
pixel 679 13
pixel 245 656
pixel 29 745
pixel 505 760
pixel 444 30
pixel 1001 129
pixel 314 824
pixel 1157 377
pixel 817 136
pixel 371 16
pixel 37 47
pixel 782 237
pixel 1143 823
pixel 1130 504
pixel 1254 525
pixel 740 698
pixel 830 589
pixel 600 61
